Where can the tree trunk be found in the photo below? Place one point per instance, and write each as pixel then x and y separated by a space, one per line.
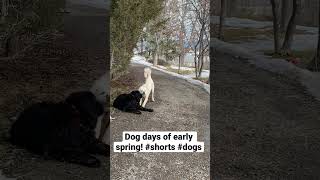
pixel 156 55
pixel 314 65
pixel 141 46
pixel 200 65
pixel 222 19
pixel 195 62
pixel 286 9
pixel 4 10
pixel 287 43
pixel 179 64
pixel 274 5
pixel 155 59
pixel 201 51
pixel 181 44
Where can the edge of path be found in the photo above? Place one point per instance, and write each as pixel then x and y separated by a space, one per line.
pixel 279 66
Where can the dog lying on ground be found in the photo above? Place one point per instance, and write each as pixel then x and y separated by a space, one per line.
pixel 130 103
pixel 147 88
pixel 63 131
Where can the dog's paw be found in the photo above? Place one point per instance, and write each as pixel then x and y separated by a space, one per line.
pixel 152 100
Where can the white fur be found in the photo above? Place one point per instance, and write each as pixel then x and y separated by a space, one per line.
pixel 147 88
pixel 99 89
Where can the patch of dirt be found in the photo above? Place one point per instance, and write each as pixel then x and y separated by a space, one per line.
pixel 124 84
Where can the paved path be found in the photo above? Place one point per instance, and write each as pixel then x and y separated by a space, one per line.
pixel 265 126
pixel 178 106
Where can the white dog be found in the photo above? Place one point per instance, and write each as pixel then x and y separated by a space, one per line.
pixel 147 87
pixel 99 89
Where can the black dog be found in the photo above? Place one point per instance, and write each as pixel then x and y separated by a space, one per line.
pixel 63 131
pixel 130 103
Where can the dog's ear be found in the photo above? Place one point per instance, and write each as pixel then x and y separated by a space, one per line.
pixel 137 94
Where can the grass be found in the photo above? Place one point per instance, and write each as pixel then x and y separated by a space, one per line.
pixel 123 84
pixel 232 34
pixel 182 72
pixel 305 56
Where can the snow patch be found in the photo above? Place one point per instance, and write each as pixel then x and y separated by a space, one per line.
pixel 182 68
pixel 142 60
pixel 307 78
pixel 302 41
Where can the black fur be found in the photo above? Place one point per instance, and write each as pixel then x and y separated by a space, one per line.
pixel 64 131
pixel 130 103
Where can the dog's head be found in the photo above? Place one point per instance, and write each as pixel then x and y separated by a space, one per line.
pixel 142 90
pixel 89 108
pixel 137 95
pixel 147 72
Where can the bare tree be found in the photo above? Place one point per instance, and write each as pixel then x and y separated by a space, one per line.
pixel 286 10
pixel 182 32
pixel 287 43
pixel 156 53
pixel 201 47
pixel 178 10
pixel 222 18
pixel 275 6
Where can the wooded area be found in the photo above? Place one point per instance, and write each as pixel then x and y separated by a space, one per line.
pixel 173 29
pixel 285 17
pixel 127 21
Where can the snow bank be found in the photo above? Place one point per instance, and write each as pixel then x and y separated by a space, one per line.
pixel 242 22
pixel 309 79
pixel 182 68
pixel 142 60
pixel 249 23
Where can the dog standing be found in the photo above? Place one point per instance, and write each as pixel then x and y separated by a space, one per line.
pixel 147 88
